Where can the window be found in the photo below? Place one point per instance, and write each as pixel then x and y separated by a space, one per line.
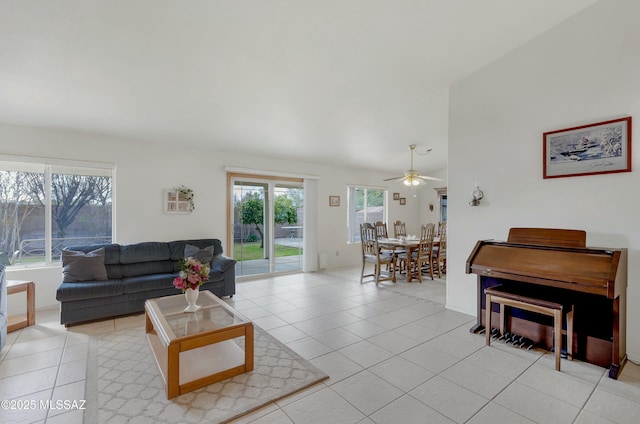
pixel 365 205
pixel 442 197
pixel 268 223
pixel 45 207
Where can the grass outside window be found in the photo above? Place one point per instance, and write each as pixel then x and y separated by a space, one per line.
pixel 251 251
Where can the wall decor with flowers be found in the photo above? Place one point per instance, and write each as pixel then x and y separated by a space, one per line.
pixel 178 200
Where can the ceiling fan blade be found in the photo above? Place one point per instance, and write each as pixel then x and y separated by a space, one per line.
pixel 424 177
pixel 411 176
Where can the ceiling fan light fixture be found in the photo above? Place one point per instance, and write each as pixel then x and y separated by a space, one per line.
pixel 413 178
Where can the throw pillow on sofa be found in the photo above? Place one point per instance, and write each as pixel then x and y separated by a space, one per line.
pixel 204 255
pixel 80 266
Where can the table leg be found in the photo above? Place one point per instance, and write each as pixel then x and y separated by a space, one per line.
pixel 31 304
pixel 173 370
pixel 248 348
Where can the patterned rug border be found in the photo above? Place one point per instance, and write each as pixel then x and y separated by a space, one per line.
pixel 91 387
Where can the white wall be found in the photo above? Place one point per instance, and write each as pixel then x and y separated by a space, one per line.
pixel 143 170
pixel 583 71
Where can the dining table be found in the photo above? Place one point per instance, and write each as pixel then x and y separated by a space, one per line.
pixel 408 244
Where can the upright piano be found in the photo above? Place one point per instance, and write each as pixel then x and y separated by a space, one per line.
pixel 555 263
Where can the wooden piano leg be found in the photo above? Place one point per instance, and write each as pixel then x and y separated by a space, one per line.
pixel 618 358
pixel 478 325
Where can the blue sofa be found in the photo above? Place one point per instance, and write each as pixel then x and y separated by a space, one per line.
pixel 135 273
pixel 3 307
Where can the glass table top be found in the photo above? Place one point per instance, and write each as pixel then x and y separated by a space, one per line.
pixel 213 314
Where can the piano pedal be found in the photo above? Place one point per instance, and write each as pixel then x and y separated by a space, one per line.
pixel 527 344
pixel 495 333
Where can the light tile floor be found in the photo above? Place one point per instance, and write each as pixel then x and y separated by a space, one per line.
pixel 393 352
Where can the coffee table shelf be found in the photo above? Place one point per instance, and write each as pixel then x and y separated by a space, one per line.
pixel 196 349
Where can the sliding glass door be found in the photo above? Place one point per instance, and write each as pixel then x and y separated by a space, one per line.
pixel 266 224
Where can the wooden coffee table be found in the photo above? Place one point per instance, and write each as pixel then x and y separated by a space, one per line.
pixel 196 349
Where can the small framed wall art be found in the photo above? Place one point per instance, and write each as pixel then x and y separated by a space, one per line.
pixel 599 148
pixel 178 201
pixel 403 201
pixel 334 200
pixel 396 196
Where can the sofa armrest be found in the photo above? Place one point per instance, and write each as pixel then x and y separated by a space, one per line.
pixel 220 263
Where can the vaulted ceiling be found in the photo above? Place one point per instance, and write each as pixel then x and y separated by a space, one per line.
pixel 346 82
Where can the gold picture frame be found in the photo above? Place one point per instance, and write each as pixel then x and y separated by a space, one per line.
pixel 334 200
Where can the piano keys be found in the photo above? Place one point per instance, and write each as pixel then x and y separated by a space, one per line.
pixel 556 264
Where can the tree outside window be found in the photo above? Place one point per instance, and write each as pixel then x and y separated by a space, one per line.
pixel 251 211
pixel 75 203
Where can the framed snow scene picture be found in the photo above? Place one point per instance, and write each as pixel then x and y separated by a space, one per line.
pixel 600 148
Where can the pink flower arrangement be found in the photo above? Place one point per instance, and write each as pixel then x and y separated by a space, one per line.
pixel 192 274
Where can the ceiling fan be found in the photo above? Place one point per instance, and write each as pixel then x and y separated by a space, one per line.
pixel 412 177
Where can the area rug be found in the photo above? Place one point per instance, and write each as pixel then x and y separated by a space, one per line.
pixel 124 383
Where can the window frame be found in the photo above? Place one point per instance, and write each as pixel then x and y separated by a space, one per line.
pixel 353 230
pixel 49 167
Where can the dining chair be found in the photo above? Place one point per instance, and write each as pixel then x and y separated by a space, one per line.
pixel 381 233
pixel 440 250
pixel 442 228
pixel 373 254
pixel 399 229
pixel 381 229
pixel 422 258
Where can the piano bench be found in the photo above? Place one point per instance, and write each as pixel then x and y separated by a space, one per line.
pixel 511 297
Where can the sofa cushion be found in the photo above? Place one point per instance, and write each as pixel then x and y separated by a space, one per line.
pixel 146 268
pixel 81 266
pixel 144 252
pixel 111 257
pixel 145 283
pixel 204 255
pixel 90 290
pixel 177 247
pixel 111 251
